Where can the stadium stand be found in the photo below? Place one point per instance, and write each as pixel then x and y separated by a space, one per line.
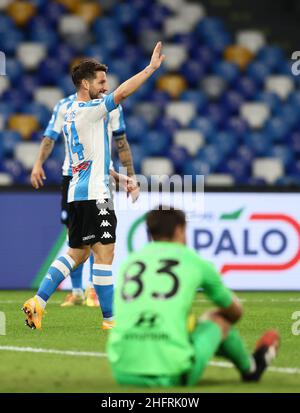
pixel 224 104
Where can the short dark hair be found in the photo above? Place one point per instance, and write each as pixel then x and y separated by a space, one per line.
pixel 86 69
pixel 162 221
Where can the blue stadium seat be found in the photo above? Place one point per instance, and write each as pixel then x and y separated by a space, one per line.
pixel 193 72
pixel 284 153
pixel 219 42
pixel 294 142
pixel 225 142
pixel 159 97
pixel 6 109
pixel 271 99
pixel 294 169
pixel 16 99
pixel 179 156
pixel 28 84
pixel 247 87
pixel 53 10
pixel 227 70
pixel 185 39
pixel 15 169
pixel 63 52
pixel 121 70
pixel 203 54
pixel 204 125
pixel 197 97
pixel 258 71
pixel 156 143
pixel 209 26
pixel 50 71
pixel 157 12
pixel 212 155
pixel 290 114
pixel 98 52
pixel 217 113
pixel 246 154
pixel 237 125
pixel 125 14
pixel 66 84
pixel 14 69
pixel 197 167
pixel 52 168
pixel 136 128
pixel 260 143
pixel 47 36
pixel 10 139
pixel 167 125
pixel 40 111
pixel 277 128
pixel 252 181
pixel 232 100
pixel 239 169
pixel 9 41
pixel 294 98
pixel 271 57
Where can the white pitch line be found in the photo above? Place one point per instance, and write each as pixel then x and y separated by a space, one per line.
pixel 285 370
pixel 53 351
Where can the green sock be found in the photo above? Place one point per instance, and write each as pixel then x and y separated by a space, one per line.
pixel 206 340
pixel 234 349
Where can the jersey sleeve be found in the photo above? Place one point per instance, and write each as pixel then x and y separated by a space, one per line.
pixel 98 108
pixel 117 122
pixel 55 125
pixel 213 285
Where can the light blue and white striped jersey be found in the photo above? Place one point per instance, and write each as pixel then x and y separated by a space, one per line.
pixel 116 127
pixel 86 131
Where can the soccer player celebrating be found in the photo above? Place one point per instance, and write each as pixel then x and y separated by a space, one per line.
pixel 154 343
pixel 92 221
pixel 116 130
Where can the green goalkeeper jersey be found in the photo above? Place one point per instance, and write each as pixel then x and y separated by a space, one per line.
pixel 153 300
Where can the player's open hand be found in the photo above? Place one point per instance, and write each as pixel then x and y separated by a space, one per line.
pixel 157 58
pixel 37 176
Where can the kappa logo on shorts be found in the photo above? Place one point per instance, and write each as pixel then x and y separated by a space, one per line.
pixel 103 212
pixel 106 235
pixel 105 224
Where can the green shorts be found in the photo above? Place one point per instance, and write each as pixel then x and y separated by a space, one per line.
pixel 206 339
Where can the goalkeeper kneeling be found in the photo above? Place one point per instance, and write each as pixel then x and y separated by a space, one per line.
pixel 154 342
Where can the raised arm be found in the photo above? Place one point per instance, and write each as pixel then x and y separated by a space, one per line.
pixel 37 173
pixel 135 82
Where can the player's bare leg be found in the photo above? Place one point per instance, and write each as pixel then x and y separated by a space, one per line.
pixel 58 271
pixel 103 280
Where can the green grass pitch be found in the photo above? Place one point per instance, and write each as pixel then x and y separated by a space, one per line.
pixel 76 330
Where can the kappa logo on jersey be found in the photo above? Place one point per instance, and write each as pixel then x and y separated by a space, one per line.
pixel 105 224
pixel 106 235
pixel 103 212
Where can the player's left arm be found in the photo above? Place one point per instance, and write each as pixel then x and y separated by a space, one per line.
pixel 125 157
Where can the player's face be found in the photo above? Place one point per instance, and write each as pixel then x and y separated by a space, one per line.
pixel 98 86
